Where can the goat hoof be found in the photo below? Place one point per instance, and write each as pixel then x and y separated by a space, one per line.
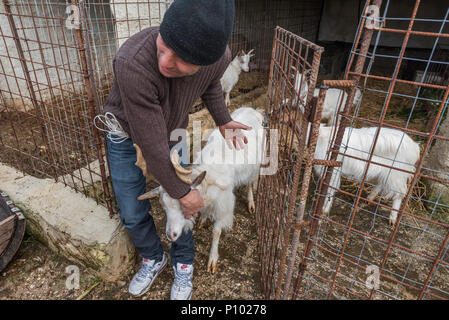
pixel 251 208
pixel 212 266
pixel 392 222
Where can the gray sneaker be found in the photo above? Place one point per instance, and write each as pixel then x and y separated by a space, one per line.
pixel 143 279
pixel 182 286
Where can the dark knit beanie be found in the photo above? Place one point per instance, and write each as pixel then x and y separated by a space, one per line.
pixel 198 30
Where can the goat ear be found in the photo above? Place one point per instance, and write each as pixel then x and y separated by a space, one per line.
pixel 150 194
pixel 197 181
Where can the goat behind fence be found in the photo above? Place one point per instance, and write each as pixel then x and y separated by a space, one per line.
pixel 343 247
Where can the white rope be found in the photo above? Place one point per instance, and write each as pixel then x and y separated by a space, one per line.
pixel 113 127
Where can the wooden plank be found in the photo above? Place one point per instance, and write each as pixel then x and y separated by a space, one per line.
pixel 4 211
pixel 5 238
pixel 6 232
pixel 14 244
pixel 3 246
pixel 7 221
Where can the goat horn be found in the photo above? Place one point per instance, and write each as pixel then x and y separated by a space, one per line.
pixel 182 173
pixel 250 51
pixel 141 163
pixel 150 194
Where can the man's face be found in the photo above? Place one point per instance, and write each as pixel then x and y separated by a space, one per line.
pixel 170 64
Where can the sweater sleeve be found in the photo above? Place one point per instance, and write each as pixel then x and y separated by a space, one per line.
pixel 213 96
pixel 146 122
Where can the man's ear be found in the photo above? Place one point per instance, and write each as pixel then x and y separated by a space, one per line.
pixel 197 181
pixel 150 194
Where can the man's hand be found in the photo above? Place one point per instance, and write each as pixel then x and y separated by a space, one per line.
pixel 232 132
pixel 191 203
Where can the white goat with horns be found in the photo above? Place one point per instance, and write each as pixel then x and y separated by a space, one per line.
pixel 232 73
pixel 220 170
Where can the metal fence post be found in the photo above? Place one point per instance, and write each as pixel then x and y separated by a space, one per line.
pixel 91 90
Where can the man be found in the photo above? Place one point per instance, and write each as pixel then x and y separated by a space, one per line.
pixel 159 73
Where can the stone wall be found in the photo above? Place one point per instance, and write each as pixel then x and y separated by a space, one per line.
pixel 71 224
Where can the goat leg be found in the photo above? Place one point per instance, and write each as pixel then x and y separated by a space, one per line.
pixel 334 184
pixel 213 255
pixel 373 194
pixel 394 214
pixel 255 184
pixel 202 220
pixel 252 187
pixel 251 205
pixel 227 99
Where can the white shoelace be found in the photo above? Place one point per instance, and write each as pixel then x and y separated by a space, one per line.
pixel 182 279
pixel 145 270
pixel 113 127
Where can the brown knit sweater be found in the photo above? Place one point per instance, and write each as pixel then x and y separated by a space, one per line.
pixel 149 106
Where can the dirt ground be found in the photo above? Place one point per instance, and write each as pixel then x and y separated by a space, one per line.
pixel 37 273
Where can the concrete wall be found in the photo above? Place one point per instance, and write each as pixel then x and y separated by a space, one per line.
pixel 12 78
pixel 131 18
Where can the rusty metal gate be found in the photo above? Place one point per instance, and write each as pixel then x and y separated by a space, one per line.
pixel 276 198
pixel 356 250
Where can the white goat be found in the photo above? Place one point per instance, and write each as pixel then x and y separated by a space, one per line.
pixel 331 101
pixel 394 148
pixel 220 170
pixel 232 73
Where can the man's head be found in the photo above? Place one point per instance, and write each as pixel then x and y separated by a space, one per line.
pixel 193 33
pixel 170 64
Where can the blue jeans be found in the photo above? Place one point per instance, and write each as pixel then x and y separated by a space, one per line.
pixel 129 183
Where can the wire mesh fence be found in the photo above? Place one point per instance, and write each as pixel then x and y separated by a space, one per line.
pixel 294 60
pixel 256 20
pixel 385 233
pixel 56 72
